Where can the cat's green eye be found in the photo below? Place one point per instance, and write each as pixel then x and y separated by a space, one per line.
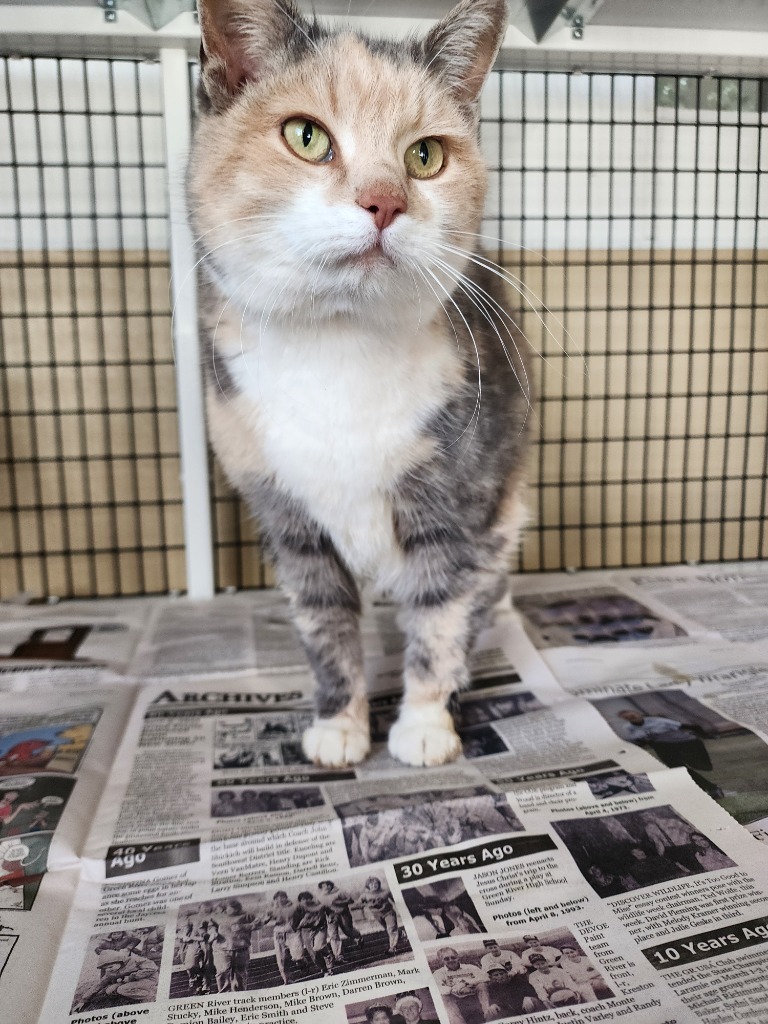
pixel 307 139
pixel 424 158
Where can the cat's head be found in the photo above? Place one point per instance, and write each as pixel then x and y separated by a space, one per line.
pixel 333 175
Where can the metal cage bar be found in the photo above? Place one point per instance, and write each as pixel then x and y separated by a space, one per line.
pixel 189 380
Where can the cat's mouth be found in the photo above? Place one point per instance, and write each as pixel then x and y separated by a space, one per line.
pixel 375 255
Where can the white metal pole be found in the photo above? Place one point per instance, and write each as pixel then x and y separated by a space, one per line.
pixel 195 483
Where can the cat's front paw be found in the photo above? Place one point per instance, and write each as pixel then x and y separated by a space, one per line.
pixel 336 742
pixel 424 735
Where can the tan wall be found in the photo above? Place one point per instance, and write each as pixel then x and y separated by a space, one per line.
pixel 664 416
pixel 652 419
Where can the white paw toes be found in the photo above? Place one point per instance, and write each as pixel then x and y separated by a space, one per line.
pixel 336 742
pixel 424 736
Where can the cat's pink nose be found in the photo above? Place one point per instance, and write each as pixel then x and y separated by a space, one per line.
pixel 383 208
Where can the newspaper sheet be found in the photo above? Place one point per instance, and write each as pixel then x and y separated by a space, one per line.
pixel 168 855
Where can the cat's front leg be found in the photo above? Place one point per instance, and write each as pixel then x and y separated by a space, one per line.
pixel 340 733
pixel 442 627
pixel 326 611
pixel 456 542
pixel 339 740
pixel 435 669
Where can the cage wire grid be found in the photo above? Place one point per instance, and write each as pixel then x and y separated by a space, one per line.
pixel 631 209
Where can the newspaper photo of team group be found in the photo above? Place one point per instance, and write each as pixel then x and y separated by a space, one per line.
pixel 392 825
pixel 233 801
pixel 291 935
pixel 488 979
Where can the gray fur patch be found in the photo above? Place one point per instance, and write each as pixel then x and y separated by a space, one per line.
pixel 333 644
pixel 322 590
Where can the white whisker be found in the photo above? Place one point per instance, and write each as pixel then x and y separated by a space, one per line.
pixel 523 291
pixel 319 271
pixel 206 255
pixel 510 245
pixel 231 298
pixel 263 220
pixel 478 297
pixel 498 308
pixel 476 411
pixel 301 28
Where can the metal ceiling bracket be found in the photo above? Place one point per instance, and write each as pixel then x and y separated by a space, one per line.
pixel 578 13
pixel 539 19
pixel 110 9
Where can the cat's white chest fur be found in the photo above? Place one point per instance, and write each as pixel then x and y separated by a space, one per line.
pixel 340 417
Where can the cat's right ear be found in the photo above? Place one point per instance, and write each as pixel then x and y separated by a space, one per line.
pixel 462 47
pixel 241 40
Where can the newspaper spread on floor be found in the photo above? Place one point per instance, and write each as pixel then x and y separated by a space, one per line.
pixel 598 854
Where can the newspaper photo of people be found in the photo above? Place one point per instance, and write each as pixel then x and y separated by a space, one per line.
pixel 598 616
pixel 416 1006
pixel 236 801
pixel 31 803
pixel 636 849
pixel 401 824
pixel 442 909
pixel 260 740
pixel 287 936
pixel 482 710
pixel 490 979
pixel 617 783
pixel 726 760
pixel 120 968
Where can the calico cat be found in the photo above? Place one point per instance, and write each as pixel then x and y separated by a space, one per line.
pixel 367 392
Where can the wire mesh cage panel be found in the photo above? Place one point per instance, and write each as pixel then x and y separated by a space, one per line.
pixel 90 502
pixel 628 210
pixel 89 494
pixel 631 209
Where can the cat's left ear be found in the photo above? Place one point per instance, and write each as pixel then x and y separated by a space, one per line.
pixel 462 47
